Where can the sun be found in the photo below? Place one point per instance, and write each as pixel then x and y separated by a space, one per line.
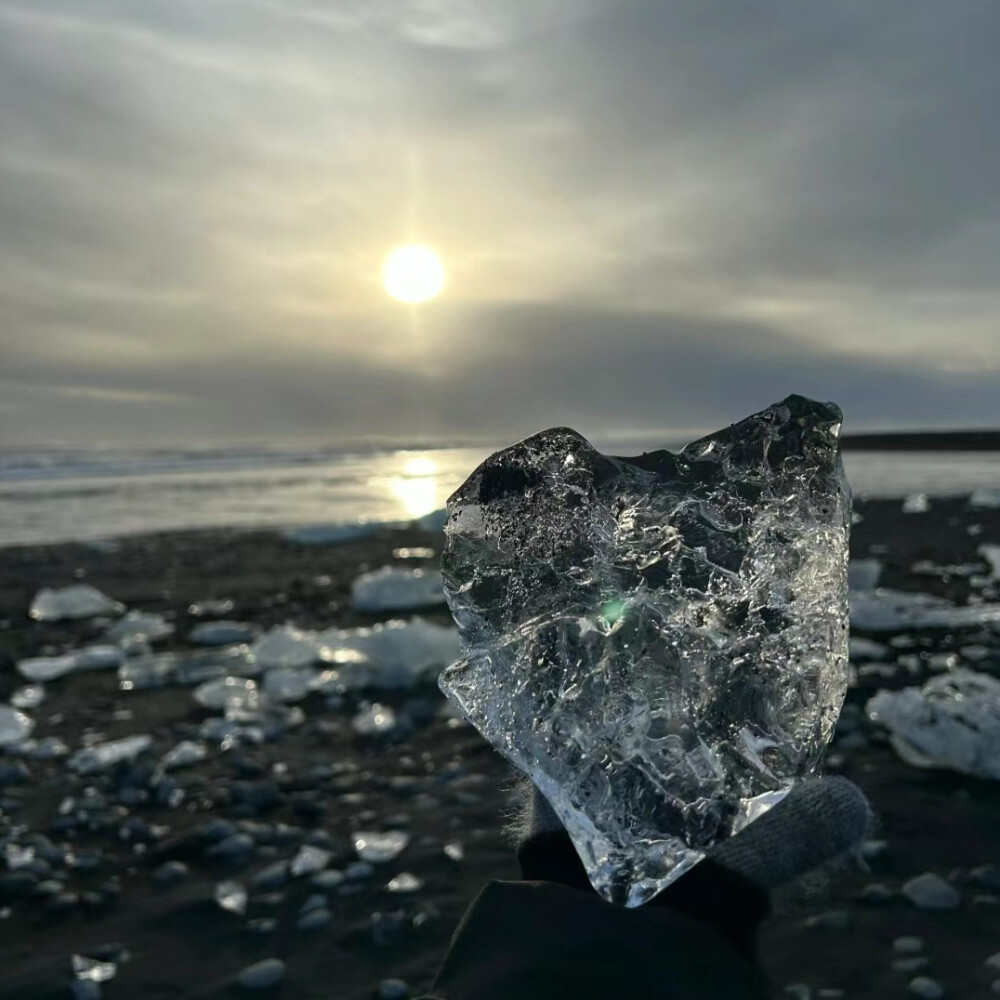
pixel 413 273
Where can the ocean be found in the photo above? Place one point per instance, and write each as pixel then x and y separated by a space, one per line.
pixel 55 496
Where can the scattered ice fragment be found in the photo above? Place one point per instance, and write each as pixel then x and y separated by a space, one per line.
pixel 985 498
pixel 184 668
pixel 394 589
pixel 885 610
pixel 285 646
pixel 991 553
pixel 100 657
pixel 396 654
pixel 863 574
pixel 393 989
pixel 930 892
pixel 232 896
pixel 405 882
pixel 102 756
pixel 659 642
pixel 186 753
pixel 331 534
pixel 15 726
pixel 262 975
pixel 373 720
pixel 17 856
pixel 926 988
pixel 222 633
pixel 212 606
pixel 953 721
pixel 309 861
pixel 138 627
pixel 230 694
pixel 288 683
pixel 78 601
pixel 92 970
pixel 46 668
pixel 916 503
pixel 454 850
pixel 378 848
pixel 29 696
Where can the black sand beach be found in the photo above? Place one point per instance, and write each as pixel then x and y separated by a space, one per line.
pixel 102 882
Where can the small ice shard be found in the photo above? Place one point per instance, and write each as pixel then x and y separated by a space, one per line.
pixel 288 684
pixel 186 669
pixel 375 720
pixel 46 668
pixel 99 657
pixel 93 970
pixel 394 589
pixel 377 848
pixel 222 633
pixel 17 856
pixel 232 896
pixel 184 754
pixel 405 882
pixel 102 756
pixel 138 627
pixel 15 726
pixel 285 646
pixel 863 574
pixel 78 601
pixel 916 503
pixel 454 850
pixel 213 606
pixel 395 654
pixel 230 694
pixel 886 610
pixel 29 696
pixel 659 642
pixel 309 861
pixel 991 553
pixel 952 722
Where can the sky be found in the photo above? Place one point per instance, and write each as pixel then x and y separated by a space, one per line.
pixel 656 215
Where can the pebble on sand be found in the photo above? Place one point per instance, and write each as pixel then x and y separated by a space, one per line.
pixel 393 989
pixel 929 989
pixel 931 892
pixel 262 975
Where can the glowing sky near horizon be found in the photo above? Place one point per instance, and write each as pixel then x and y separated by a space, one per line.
pixel 651 215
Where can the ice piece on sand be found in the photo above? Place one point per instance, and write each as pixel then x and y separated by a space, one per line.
pixel 916 503
pixel 184 754
pixel 230 694
pixel 396 654
pixel 394 589
pixel 232 896
pixel 285 646
pixel 863 574
pixel 93 970
pixel 212 606
pixel 377 848
pixel 78 601
pixel 139 626
pixel 48 668
pixel 288 684
pixel 885 610
pixel 15 726
pixel 660 642
pixel 309 860
pixel 985 498
pixel 222 633
pixel 102 756
pixel 29 696
pixel 952 722
pixel 375 720
pixel 186 669
pixel 991 553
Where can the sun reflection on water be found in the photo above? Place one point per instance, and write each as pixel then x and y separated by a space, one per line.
pixel 419 487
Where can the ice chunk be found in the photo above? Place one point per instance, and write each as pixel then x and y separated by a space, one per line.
pixel 15 726
pixel 394 589
pixel 991 553
pixel 395 654
pixel 49 668
pixel 885 610
pixel 660 642
pixel 232 897
pixel 916 503
pixel 93 970
pixel 137 627
pixel 288 683
pixel 405 882
pixel 186 669
pixel 953 722
pixel 184 754
pixel 985 498
pixel 222 633
pixel 863 574
pixel 285 646
pixel 375 720
pixel 17 856
pixel 230 694
pixel 29 696
pixel 377 848
pixel 212 606
pixel 309 860
pixel 103 756
pixel 78 601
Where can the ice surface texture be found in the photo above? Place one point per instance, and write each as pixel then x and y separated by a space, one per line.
pixel 659 642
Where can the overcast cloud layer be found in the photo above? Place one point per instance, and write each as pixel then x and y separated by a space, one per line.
pixel 653 215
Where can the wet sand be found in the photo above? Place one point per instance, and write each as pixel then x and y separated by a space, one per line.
pixel 441 783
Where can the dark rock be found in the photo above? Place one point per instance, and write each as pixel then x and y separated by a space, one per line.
pixel 15 884
pixel 237 849
pixel 170 873
pixel 262 975
pixel 393 989
pixel 272 877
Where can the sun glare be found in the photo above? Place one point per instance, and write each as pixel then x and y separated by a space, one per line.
pixel 413 274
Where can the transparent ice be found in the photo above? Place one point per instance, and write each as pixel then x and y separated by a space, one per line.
pixel 393 588
pixel 659 642
pixel 15 726
pixel 380 847
pixel 78 601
